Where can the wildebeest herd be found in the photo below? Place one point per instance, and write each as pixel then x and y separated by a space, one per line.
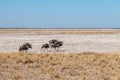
pixel 52 44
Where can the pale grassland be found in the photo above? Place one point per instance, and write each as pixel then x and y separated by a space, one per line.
pixel 44 66
pixel 59 31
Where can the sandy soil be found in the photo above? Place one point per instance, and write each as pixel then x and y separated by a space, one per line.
pixel 11 39
pixel 10 42
pixel 72 43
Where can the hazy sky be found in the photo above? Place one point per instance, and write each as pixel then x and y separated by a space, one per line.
pixel 60 13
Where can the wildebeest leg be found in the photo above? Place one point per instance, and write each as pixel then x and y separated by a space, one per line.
pixel 41 49
pixel 57 49
pixel 19 51
pixel 44 50
pixel 47 49
pixel 26 51
pixel 54 48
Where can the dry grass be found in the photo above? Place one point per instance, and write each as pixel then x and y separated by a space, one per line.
pixel 23 66
pixel 58 31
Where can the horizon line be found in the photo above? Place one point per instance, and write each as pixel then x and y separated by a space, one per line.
pixel 59 28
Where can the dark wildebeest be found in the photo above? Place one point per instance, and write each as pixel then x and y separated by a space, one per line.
pixel 53 41
pixel 57 45
pixel 45 47
pixel 25 47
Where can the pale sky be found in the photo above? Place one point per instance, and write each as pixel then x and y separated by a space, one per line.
pixel 59 13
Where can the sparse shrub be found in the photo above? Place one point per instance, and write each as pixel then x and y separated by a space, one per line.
pixel 60 66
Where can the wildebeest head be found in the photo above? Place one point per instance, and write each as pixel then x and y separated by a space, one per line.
pixel 29 45
pixel 60 43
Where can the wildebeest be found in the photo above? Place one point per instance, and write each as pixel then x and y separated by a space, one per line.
pixel 57 45
pixel 53 41
pixel 45 47
pixel 25 47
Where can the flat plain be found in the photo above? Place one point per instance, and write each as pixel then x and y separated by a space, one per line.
pixel 91 54
pixel 75 40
